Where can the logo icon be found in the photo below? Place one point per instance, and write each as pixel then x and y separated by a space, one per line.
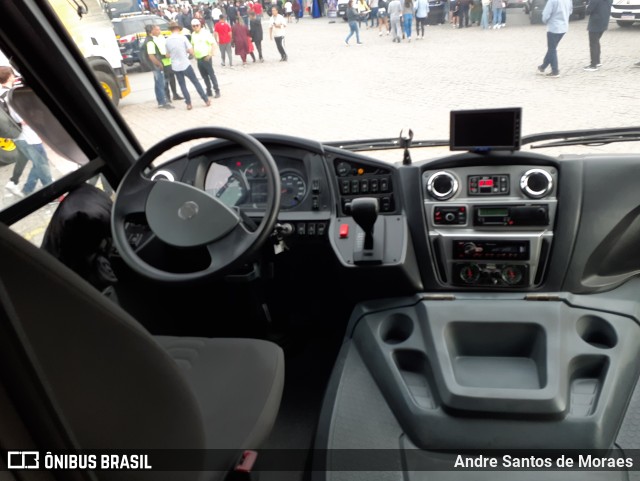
pixel 23 460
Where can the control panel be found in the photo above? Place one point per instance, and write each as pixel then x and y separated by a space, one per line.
pixel 490 227
pixel 488 184
pixel 357 179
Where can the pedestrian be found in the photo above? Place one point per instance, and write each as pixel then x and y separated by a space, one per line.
pixel 463 13
pixel 363 12
pixel 422 11
pixel 599 12
pixel 29 145
pixel 256 33
pixel 375 5
pixel 496 11
pixel 222 32
pixel 179 50
pixel 395 14
pixel 241 40
pixel 383 26
pixel 157 57
pixel 296 10
pixel 556 15
pixel 352 19
pixel 407 18
pixel 277 26
pixel 203 50
pixel 484 21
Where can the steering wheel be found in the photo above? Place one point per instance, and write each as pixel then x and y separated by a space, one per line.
pixel 184 216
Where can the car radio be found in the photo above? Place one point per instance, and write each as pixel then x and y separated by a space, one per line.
pixel 511 215
pixel 491 250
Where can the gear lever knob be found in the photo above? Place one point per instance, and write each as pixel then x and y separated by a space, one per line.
pixel 364 211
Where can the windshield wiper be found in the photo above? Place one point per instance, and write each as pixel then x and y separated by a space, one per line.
pixel 583 137
pixel 384 144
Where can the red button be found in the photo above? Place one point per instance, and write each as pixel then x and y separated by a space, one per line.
pixel 344 231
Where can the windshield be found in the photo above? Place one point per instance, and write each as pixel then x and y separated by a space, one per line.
pixel 332 88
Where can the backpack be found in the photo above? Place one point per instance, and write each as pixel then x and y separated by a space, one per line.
pixel 145 63
pixel 9 128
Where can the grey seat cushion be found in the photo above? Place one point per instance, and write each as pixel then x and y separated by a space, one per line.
pixel 116 386
pixel 237 383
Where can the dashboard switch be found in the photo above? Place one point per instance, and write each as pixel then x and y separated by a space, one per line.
pixel 344 231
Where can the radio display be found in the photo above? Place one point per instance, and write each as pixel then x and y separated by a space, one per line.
pixel 491 250
pixel 492 212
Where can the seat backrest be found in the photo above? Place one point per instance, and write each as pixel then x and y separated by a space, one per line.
pixel 114 385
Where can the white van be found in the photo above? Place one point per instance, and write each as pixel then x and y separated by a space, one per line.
pixel 625 12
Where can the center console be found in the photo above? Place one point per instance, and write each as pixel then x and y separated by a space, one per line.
pixel 490 226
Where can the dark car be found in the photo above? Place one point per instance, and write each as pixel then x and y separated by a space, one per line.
pixel 130 32
pixel 437 12
pixel 535 7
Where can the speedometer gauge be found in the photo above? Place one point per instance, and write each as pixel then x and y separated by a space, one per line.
pixel 293 189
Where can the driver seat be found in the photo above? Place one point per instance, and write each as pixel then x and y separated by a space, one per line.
pixel 104 382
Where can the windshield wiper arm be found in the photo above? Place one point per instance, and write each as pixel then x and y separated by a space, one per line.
pixel 584 137
pixel 384 144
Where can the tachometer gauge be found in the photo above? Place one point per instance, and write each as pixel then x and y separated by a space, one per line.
pixel 293 189
pixel 255 171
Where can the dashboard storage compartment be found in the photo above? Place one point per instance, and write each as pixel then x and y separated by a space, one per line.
pixel 493 369
pixel 493 355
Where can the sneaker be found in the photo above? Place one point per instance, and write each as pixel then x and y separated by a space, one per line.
pixel 590 68
pixel 540 70
pixel 208 103
pixel 217 95
pixel 209 93
pixel 167 106
pixel 14 189
pixel 380 34
pixel 360 43
pixel 177 97
pixel 223 64
pixel 636 64
pixel 598 65
pixel 346 43
pixel 553 75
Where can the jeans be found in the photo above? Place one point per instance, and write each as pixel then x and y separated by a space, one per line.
pixel 158 86
pixel 191 75
pixel 463 16
pixel 497 16
pixel 484 22
pixel 40 170
pixel 594 47
pixel 279 44
pixel 407 18
pixel 18 167
pixel 420 23
pixel 226 48
pixel 205 67
pixel 353 27
pixel 374 16
pixel 551 58
pixel 169 82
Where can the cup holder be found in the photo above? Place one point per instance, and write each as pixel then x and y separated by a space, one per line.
pixel 597 332
pixel 396 328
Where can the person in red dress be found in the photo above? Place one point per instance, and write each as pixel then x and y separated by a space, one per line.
pixel 241 40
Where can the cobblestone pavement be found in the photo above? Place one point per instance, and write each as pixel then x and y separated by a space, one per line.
pixel 327 91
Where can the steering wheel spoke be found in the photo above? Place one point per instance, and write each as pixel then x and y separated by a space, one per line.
pixel 233 245
pixel 134 201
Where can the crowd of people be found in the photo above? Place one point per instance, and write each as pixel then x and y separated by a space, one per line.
pixel 196 33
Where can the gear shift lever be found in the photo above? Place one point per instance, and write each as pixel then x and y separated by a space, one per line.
pixel 364 211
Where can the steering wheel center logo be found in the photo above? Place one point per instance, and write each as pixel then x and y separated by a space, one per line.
pixel 188 210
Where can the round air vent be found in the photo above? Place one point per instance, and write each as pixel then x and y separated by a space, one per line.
pixel 442 185
pixel 163 175
pixel 536 183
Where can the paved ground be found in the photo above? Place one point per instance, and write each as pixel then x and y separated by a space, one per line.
pixel 327 91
